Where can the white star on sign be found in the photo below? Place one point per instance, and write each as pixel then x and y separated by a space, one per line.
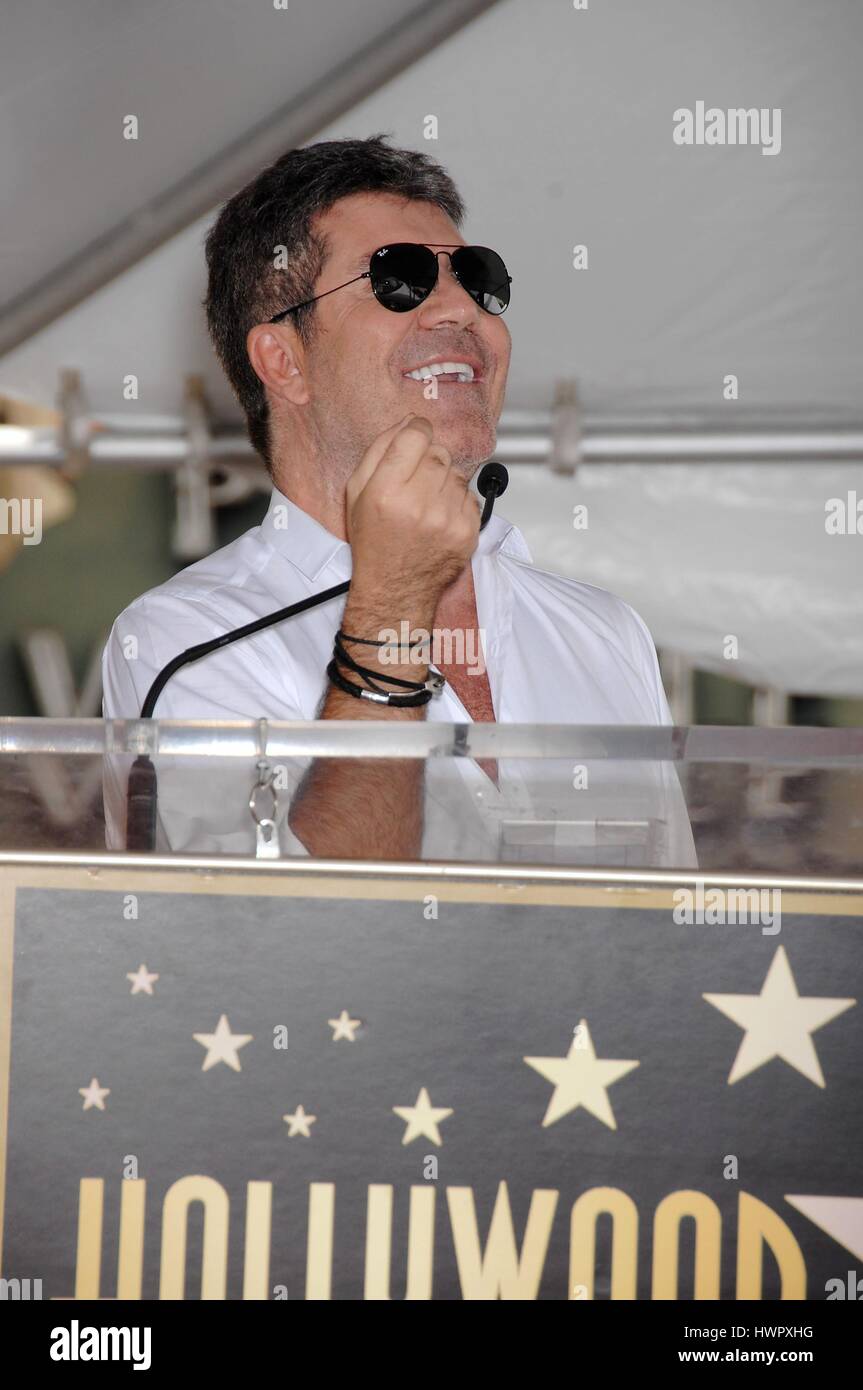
pixel 142 982
pixel 223 1045
pixel 580 1078
pixel 421 1118
pixel 840 1217
pixel 299 1122
pixel 344 1026
pixel 778 1022
pixel 94 1094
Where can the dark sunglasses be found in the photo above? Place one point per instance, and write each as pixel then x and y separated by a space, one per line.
pixel 404 274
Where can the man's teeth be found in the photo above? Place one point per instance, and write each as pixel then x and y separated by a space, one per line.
pixel 463 370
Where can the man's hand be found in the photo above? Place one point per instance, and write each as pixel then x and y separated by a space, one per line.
pixel 412 521
pixel 412 526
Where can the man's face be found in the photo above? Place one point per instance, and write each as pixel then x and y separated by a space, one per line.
pixel 355 366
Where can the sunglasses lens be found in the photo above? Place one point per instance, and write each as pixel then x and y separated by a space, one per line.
pixel 482 273
pixel 402 276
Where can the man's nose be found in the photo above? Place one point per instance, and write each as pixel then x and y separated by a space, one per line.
pixel 448 302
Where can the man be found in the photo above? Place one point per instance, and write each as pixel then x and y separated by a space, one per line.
pixel 336 291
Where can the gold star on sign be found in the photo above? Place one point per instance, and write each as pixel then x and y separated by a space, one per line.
pixel 580 1078
pixel 299 1122
pixel 142 982
pixel 421 1118
pixel 344 1026
pixel 223 1045
pixel 94 1094
pixel 778 1022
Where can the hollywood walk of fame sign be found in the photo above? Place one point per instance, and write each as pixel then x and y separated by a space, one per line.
pixel 262 1084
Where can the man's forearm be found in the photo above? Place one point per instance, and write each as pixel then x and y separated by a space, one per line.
pixel 366 808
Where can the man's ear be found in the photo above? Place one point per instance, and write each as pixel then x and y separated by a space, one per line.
pixel 276 356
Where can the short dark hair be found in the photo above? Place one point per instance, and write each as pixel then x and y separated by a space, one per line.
pixel 277 209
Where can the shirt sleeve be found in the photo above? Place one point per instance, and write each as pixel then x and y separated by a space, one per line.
pixel 202 803
pixel 643 654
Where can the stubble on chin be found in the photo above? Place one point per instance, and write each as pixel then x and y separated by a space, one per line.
pixel 475 452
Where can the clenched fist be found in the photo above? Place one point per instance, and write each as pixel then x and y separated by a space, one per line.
pixel 412 520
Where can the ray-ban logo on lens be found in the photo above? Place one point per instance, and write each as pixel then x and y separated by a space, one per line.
pixel 737 126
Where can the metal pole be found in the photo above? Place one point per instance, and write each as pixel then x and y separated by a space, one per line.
pixel 410 37
pixel 599 443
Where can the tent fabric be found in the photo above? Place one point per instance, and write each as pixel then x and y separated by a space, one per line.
pixel 703 261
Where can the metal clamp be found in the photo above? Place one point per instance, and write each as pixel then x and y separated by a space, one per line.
pixel 266 834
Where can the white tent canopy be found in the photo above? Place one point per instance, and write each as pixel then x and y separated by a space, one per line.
pixel 557 125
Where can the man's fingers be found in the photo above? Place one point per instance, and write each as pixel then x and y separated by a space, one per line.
pixel 440 459
pixel 471 500
pixel 372 457
pixel 399 453
pixel 407 449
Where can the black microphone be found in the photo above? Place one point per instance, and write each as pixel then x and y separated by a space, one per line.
pixel 493 478
pixel 141 790
pixel 491 484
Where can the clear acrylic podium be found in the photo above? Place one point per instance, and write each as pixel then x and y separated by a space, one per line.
pixel 601 1040
pixel 786 802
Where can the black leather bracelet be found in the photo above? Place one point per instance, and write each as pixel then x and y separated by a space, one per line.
pixel 434 682
pixel 418 697
pixel 380 641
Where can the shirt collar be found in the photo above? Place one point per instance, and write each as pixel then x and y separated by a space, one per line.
pixel 310 547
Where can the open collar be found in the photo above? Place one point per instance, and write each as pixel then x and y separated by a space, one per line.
pixel 311 548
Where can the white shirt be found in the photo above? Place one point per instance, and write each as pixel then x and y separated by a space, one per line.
pixel 556 652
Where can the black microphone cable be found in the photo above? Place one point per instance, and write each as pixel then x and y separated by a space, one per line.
pixel 142 791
